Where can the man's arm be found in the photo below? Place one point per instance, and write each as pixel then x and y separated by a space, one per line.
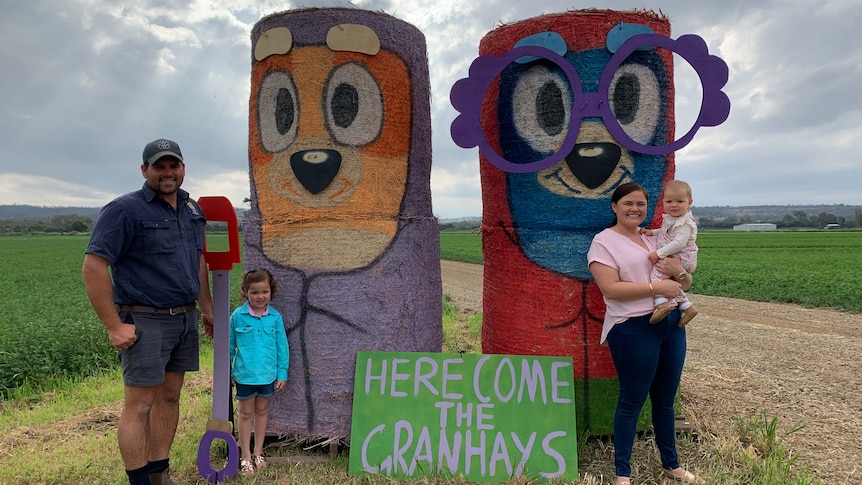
pixel 205 300
pixel 100 291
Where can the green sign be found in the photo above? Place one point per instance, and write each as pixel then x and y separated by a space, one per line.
pixel 486 417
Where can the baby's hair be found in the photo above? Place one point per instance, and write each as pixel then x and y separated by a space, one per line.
pixel 679 185
pixel 256 276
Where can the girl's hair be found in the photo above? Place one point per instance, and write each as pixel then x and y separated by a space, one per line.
pixel 256 276
pixel 624 190
pixel 678 185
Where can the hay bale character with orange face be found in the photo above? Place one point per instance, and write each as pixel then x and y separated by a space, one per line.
pixel 564 108
pixel 340 161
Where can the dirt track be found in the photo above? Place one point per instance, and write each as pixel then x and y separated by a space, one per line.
pixel 803 366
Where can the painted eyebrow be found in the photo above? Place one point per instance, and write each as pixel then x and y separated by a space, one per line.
pixel 353 38
pixel 342 37
pixel 274 41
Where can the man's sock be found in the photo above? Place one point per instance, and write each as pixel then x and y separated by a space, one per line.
pixel 159 466
pixel 139 476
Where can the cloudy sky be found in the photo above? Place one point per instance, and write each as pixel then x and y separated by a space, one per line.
pixel 86 83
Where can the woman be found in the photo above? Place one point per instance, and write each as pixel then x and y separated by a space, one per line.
pixel 648 358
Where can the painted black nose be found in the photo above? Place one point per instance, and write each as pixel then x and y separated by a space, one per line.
pixel 315 169
pixel 593 163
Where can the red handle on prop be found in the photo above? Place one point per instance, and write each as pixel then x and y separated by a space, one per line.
pixel 219 208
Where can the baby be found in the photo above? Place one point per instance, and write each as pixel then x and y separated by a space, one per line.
pixel 677 236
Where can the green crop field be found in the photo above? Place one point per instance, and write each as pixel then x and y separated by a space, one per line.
pixel 461 246
pixel 813 269
pixel 49 330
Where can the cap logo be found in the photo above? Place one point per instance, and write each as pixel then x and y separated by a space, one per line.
pixel 164 144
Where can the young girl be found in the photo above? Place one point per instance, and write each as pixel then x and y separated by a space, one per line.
pixel 677 236
pixel 259 358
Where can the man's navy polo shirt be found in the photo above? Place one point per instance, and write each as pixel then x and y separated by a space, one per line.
pixel 154 251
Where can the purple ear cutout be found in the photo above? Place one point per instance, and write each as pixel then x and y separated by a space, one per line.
pixel 468 94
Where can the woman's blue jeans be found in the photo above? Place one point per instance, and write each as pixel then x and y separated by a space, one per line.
pixel 649 360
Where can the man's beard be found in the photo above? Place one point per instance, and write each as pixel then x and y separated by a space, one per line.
pixel 165 187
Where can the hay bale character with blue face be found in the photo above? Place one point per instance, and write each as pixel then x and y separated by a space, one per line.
pixel 564 108
pixel 340 161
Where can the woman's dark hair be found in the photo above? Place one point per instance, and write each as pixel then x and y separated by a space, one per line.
pixel 257 276
pixel 624 190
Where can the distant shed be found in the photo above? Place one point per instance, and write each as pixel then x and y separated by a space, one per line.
pixel 760 226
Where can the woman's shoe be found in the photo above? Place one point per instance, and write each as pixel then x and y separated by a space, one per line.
pixel 681 474
pixel 246 467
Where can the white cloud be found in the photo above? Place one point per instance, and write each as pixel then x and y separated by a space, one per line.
pixel 234 185
pixel 26 189
pixel 87 83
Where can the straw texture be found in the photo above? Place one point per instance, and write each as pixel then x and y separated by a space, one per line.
pixel 340 163
pixel 539 297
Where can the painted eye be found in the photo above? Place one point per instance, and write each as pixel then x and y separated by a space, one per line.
pixel 354 105
pixel 542 109
pixel 635 100
pixel 277 111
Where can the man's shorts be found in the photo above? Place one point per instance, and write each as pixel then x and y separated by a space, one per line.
pixel 248 391
pixel 166 343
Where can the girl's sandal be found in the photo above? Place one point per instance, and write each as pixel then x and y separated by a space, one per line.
pixel 246 467
pixel 685 477
pixel 259 461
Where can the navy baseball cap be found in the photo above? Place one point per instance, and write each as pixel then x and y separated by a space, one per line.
pixel 157 149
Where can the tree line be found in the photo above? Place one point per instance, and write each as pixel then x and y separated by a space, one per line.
pixel 797 219
pixel 55 224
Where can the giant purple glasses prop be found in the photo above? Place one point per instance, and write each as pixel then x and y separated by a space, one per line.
pixel 467 96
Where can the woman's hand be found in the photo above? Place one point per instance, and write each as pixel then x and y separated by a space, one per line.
pixel 672 267
pixel 666 288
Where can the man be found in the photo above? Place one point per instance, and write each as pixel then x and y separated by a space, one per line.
pixel 152 240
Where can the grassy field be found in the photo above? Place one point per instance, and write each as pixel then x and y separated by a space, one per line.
pixel 813 269
pixel 48 329
pixel 61 392
pixel 68 436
